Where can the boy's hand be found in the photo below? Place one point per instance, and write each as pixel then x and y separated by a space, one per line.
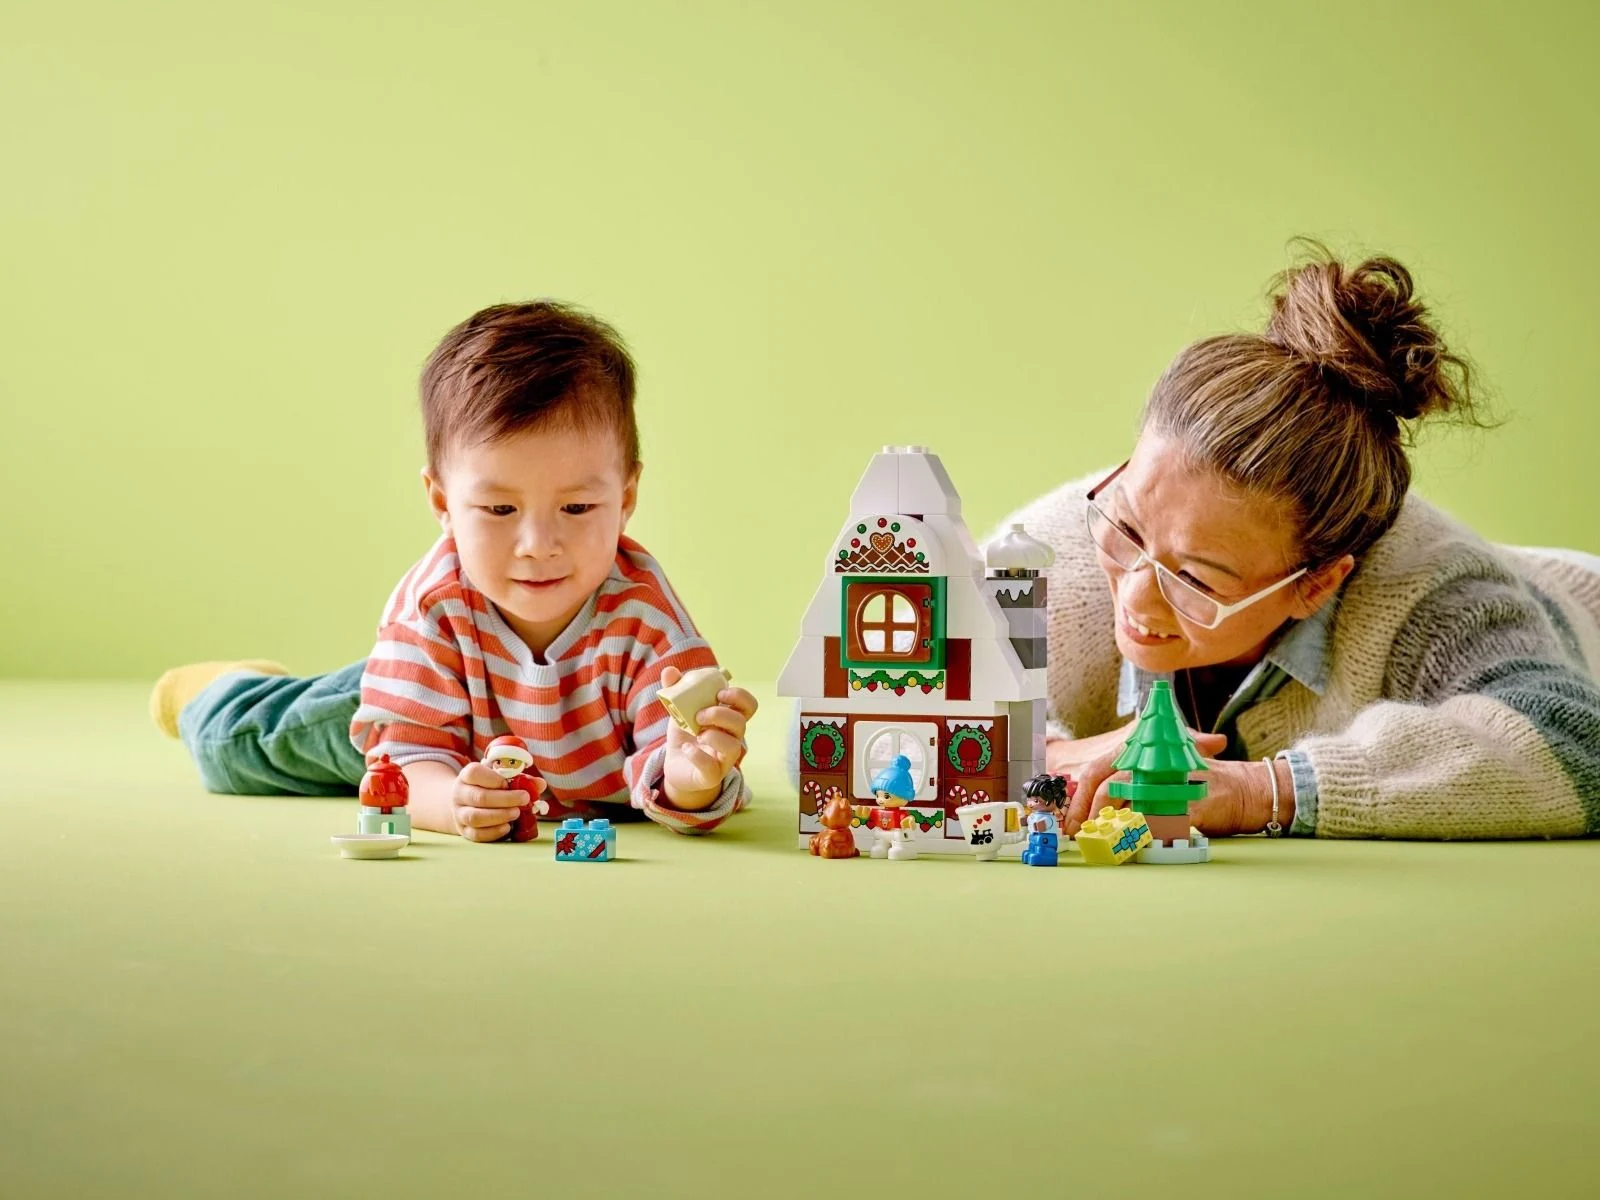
pixel 696 764
pixel 486 805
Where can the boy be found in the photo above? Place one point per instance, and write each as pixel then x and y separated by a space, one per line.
pixel 532 615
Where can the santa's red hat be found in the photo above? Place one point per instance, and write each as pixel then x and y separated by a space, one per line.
pixel 509 746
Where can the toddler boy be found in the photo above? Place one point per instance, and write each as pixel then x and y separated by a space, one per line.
pixel 532 615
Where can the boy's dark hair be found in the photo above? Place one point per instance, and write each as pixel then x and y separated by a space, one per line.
pixel 512 367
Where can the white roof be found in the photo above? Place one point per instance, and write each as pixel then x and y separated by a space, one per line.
pixel 905 521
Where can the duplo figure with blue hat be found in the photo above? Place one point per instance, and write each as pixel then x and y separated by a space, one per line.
pixel 891 825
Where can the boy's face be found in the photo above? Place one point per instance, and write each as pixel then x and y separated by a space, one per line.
pixel 536 517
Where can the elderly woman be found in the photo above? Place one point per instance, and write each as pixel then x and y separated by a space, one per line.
pixel 1357 664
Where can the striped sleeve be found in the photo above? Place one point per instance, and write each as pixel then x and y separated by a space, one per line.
pixel 1490 728
pixel 414 702
pixel 646 766
pixel 664 636
pixel 649 798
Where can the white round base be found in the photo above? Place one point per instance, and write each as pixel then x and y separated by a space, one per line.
pixel 369 845
pixel 1197 851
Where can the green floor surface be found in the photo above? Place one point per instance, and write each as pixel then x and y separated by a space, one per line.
pixel 199 997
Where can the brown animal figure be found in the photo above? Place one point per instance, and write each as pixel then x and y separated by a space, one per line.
pixel 835 840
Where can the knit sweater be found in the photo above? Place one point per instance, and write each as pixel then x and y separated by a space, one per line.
pixel 1461 700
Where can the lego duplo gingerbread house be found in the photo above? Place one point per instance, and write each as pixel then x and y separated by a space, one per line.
pixel 914 645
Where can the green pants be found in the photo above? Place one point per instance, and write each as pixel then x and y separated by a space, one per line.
pixel 263 735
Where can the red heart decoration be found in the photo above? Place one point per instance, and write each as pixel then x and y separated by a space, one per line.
pixel 872 686
pixel 926 688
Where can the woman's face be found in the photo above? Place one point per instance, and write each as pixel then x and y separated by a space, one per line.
pixel 1229 543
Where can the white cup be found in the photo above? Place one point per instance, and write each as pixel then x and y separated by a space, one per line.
pixel 989 826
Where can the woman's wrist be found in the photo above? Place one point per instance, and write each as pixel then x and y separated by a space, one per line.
pixel 1284 791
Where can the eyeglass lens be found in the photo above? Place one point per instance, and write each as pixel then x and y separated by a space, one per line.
pixel 1185 599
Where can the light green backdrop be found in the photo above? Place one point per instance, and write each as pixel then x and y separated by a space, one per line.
pixel 231 234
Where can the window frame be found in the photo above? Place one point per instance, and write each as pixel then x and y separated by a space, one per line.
pixel 926 595
pixel 924 732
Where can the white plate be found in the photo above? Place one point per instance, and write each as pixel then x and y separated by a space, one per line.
pixel 369 845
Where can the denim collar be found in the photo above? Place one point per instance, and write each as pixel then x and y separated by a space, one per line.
pixel 1302 650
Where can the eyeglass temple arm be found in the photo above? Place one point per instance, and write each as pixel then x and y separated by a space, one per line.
pixel 1108 480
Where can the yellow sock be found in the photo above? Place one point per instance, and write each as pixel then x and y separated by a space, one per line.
pixel 182 684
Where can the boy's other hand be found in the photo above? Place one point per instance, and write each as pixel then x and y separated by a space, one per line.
pixel 485 805
pixel 696 764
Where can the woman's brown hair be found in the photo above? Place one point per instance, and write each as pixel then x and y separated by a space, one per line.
pixel 1319 410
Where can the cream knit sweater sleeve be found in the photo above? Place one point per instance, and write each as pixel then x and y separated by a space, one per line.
pixel 1461 701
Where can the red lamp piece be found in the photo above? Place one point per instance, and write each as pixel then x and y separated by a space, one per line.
pixel 384 786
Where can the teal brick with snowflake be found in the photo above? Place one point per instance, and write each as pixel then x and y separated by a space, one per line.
pixel 586 841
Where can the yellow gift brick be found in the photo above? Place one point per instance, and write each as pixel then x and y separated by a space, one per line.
pixel 1113 837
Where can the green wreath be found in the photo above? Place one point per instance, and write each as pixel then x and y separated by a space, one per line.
pixel 967 734
pixel 809 744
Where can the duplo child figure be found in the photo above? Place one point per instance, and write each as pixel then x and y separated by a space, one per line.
pixel 891 825
pixel 533 615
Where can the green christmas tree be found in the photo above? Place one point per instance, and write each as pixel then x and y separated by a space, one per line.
pixel 1159 755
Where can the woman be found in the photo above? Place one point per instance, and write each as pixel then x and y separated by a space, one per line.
pixel 1360 664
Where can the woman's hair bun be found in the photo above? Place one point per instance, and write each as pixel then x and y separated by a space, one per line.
pixel 1367 336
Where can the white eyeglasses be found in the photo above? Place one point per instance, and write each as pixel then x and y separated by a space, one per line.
pixel 1187 600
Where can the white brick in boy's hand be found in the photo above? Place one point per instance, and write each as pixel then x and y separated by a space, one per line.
pixel 696 764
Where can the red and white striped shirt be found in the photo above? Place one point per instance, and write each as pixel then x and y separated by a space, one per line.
pixel 449 675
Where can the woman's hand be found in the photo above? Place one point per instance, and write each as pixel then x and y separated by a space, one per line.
pixel 1238 794
pixel 1063 756
pixel 1239 798
pixel 1088 761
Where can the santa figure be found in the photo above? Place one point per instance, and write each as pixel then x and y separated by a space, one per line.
pixel 510 758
